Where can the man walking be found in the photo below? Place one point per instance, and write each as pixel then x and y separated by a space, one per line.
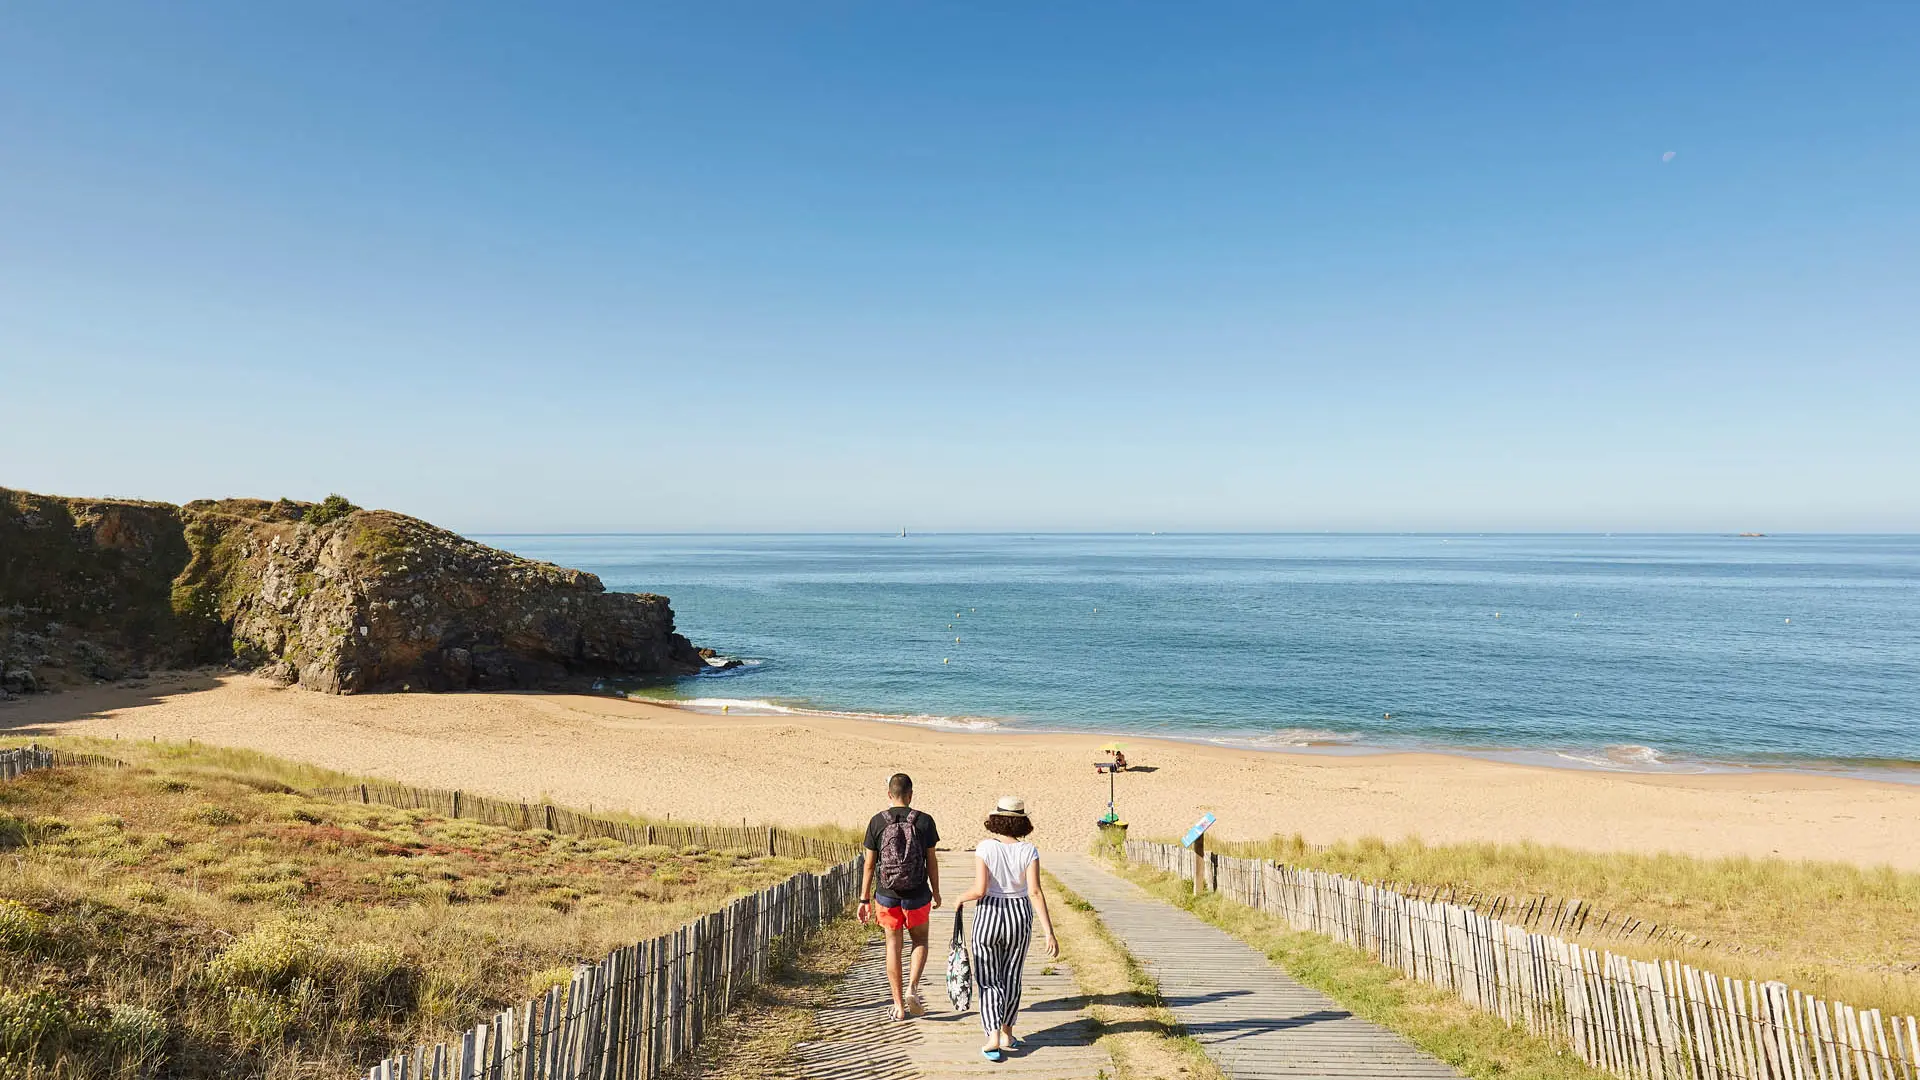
pixel 902 876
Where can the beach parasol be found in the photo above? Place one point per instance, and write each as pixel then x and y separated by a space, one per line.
pixel 1112 748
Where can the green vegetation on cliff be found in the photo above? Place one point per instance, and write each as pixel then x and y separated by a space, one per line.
pixel 327 595
pixel 328 510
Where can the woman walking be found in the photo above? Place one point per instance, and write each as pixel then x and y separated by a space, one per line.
pixel 1007 895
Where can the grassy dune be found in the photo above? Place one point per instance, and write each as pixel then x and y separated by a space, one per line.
pixel 196 915
pixel 1838 930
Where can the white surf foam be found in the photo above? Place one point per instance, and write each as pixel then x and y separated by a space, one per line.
pixel 761 707
pixel 1290 737
pixel 1627 757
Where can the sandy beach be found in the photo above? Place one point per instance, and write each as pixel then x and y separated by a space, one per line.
pixel 800 770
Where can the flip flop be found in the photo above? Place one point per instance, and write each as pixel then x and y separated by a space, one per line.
pixel 993 1055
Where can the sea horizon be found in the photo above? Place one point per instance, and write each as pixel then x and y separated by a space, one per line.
pixel 1675 653
pixel 488 535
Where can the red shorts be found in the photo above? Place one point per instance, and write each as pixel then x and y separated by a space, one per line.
pixel 897 918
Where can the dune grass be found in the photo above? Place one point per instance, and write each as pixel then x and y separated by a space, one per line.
pixel 1839 931
pixel 1476 1043
pixel 196 915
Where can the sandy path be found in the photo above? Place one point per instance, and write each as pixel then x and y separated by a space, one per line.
pixel 802 770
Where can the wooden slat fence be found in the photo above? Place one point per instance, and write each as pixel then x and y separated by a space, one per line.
pixel 1548 914
pixel 645 1006
pixel 1640 1020
pixel 21 760
pixel 559 819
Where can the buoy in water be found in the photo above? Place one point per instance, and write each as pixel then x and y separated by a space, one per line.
pixel 1386 716
pixel 1786 620
pixel 948 660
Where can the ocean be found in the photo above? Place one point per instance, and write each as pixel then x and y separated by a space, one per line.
pixel 1629 652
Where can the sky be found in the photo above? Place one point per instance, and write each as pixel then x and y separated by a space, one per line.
pixel 829 266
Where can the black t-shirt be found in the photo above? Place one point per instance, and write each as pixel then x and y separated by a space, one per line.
pixel 929 836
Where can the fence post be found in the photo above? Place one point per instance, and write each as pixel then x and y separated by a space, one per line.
pixel 770 849
pixel 456 804
pixel 1200 864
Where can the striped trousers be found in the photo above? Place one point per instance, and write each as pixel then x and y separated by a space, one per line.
pixel 1002 927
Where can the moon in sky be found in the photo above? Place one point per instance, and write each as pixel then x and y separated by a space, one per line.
pixel 1668 156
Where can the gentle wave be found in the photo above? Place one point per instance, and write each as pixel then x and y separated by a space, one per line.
pixel 1286 738
pixel 1619 757
pixel 1629 757
pixel 761 707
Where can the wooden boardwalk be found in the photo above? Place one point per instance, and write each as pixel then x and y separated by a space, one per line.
pixel 1253 1019
pixel 856 1040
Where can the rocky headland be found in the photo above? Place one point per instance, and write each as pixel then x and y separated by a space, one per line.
pixel 324 595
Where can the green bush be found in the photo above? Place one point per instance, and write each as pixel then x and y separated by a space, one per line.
pixel 330 509
pixel 271 956
pixel 257 1018
pixel 21 927
pixel 137 1032
pixel 32 1019
pixel 214 814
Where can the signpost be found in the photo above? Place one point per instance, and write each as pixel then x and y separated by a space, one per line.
pixel 1199 830
pixel 1196 838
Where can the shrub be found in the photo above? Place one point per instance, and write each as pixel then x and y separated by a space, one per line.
pixel 20 831
pixel 330 509
pixel 136 1032
pixel 214 814
pixel 21 927
pixel 259 1019
pixel 271 956
pixel 34 1019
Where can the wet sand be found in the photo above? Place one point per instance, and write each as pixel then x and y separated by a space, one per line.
pixel 800 770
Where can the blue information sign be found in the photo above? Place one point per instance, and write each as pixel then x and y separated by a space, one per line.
pixel 1199 829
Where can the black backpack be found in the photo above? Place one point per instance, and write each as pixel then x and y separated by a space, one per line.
pixel 903 860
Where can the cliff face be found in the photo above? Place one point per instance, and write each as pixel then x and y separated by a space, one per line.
pixel 348 602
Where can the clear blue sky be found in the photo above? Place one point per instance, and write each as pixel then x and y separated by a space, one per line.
pixel 970 266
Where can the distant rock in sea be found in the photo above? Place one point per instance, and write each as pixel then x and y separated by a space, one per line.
pixel 323 595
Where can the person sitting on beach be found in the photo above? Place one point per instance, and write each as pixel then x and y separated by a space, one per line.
pixel 902 874
pixel 1007 889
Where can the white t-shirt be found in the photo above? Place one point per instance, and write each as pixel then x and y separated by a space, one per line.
pixel 1007 865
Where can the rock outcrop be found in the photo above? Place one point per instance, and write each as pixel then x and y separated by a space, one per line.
pixel 327 596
